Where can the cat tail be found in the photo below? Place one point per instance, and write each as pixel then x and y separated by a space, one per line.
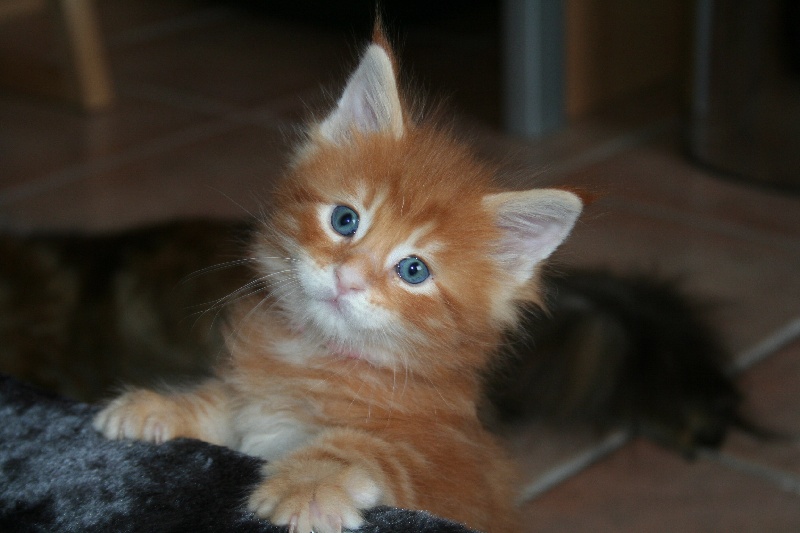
pixel 630 351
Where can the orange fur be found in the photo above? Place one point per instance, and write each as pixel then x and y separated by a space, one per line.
pixel 359 387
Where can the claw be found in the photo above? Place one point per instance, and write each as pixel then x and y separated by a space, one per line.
pixel 334 523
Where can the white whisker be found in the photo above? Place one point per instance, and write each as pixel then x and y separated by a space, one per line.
pixel 237 294
pixel 218 267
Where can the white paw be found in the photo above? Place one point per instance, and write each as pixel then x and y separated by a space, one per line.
pixel 141 415
pixel 322 497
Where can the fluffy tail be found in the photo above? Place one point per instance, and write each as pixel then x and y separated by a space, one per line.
pixel 613 350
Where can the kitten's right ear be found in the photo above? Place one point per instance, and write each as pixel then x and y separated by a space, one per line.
pixel 370 102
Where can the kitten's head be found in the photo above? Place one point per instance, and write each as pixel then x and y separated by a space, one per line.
pixel 389 242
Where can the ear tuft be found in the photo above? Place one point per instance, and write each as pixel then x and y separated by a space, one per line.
pixel 370 102
pixel 533 224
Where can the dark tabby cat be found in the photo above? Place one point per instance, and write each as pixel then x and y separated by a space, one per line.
pixel 82 314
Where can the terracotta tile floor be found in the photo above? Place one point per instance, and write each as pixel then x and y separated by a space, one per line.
pixel 208 101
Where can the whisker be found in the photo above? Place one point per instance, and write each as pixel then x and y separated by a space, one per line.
pixel 220 305
pixel 230 298
pixel 218 267
pixel 279 290
pixel 239 294
pixel 249 314
pixel 234 202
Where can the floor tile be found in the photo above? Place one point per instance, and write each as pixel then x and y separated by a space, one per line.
pixel 39 138
pixel 539 449
pixel 772 402
pixel 218 175
pixel 750 287
pixel 643 488
pixel 658 175
pixel 733 245
pixel 558 157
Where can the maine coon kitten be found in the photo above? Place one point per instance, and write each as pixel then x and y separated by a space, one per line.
pixel 394 267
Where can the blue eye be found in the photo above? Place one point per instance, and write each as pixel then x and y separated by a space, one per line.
pixel 412 270
pixel 344 220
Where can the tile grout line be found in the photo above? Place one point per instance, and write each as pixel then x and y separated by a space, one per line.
pixel 223 117
pixel 639 137
pixel 727 229
pixel 574 466
pixel 768 347
pixel 260 116
pixel 786 481
pixel 74 173
pixel 776 340
pixel 610 148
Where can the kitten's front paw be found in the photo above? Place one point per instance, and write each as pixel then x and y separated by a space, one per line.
pixel 139 414
pixel 318 496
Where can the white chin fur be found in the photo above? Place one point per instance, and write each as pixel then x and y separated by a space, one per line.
pixel 351 322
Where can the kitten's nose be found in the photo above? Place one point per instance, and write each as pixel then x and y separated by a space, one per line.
pixel 349 278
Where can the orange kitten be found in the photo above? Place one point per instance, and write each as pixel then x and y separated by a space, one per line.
pixel 392 268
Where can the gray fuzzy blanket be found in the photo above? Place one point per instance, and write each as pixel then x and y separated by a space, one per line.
pixel 58 475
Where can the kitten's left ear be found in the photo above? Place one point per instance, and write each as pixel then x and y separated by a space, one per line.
pixel 370 102
pixel 533 224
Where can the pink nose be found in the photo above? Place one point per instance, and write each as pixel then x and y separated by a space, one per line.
pixel 349 279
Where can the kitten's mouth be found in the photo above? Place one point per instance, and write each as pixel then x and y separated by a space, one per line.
pixel 340 306
pixel 335 303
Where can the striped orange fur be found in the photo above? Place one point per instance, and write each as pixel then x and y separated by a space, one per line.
pixel 391 266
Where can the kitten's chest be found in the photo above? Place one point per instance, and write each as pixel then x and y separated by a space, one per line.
pixel 284 407
pixel 291 389
pixel 272 428
pixel 278 410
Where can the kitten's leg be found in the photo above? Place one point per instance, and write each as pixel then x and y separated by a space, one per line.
pixel 201 413
pixel 324 486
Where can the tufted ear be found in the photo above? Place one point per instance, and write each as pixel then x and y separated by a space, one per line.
pixel 370 102
pixel 533 224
